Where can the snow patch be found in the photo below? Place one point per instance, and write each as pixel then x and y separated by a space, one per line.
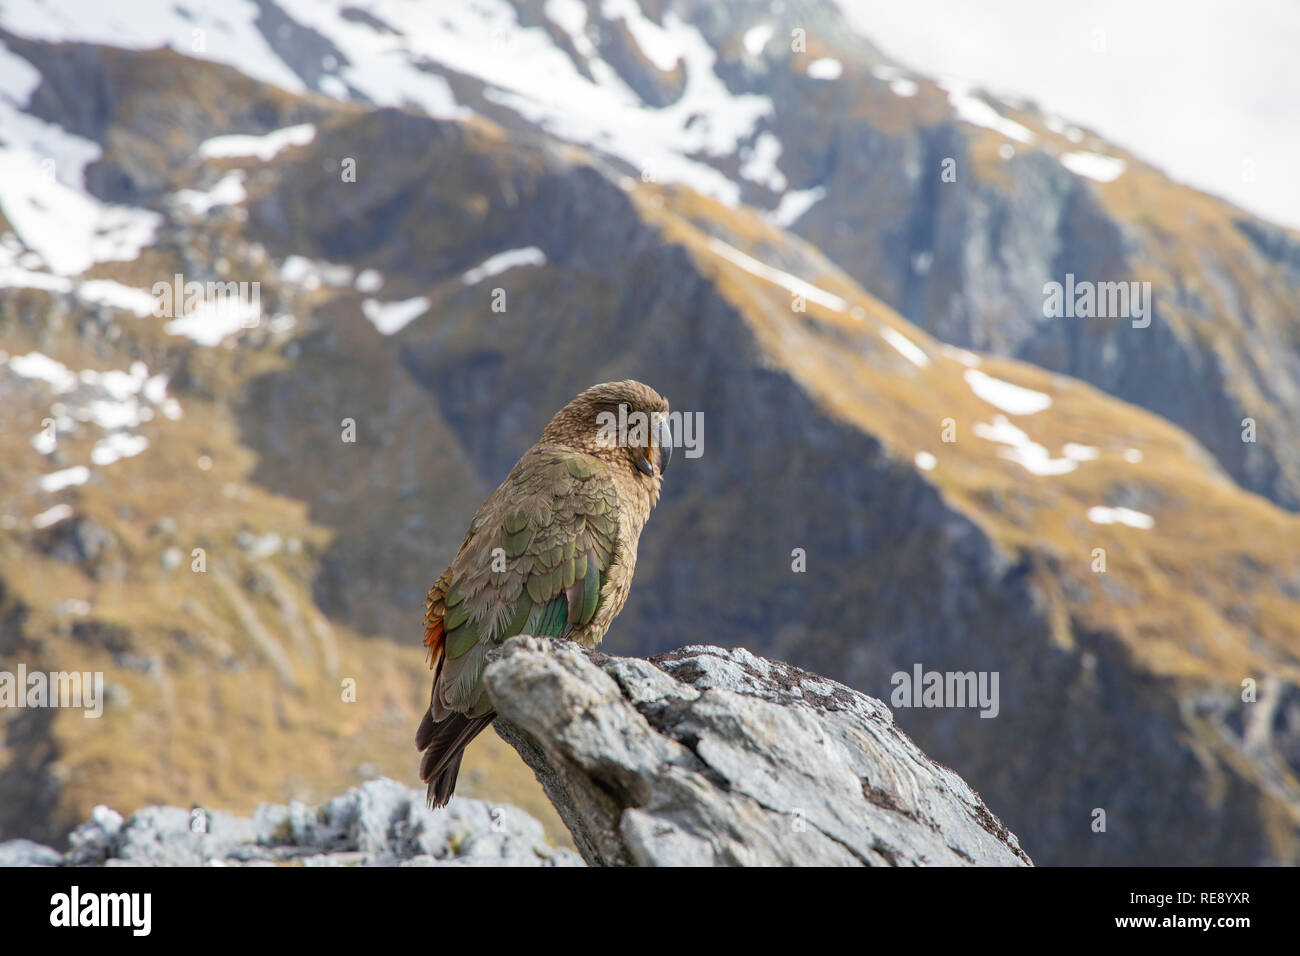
pixel 42 183
pixel 827 68
pixel 312 274
pixel 118 296
pixel 1103 169
pixel 390 318
pixel 794 204
pixel 759 162
pixel 906 347
pixel 117 446
pixel 974 110
pixel 369 281
pixel 1012 399
pixel 655 42
pixel 1025 452
pixel 35 365
pixel 510 259
pixel 211 321
pixel 756 38
pixel 227 191
pixel 969 359
pixel 784 279
pixel 262 147
pixel 58 480
pixel 58 512
pixel 1125 516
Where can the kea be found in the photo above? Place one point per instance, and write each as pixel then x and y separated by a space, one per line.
pixel 550 553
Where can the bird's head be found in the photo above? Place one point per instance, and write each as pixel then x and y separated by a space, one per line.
pixel 624 423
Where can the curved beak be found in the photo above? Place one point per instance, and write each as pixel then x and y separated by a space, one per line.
pixel 663 440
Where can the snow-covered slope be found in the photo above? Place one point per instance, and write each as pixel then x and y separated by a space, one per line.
pixel 577 69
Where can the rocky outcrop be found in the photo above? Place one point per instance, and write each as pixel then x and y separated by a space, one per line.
pixel 706 756
pixel 380 823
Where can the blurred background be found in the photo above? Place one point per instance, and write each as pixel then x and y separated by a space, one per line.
pixel 286 287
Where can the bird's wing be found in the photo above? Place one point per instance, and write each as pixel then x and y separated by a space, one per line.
pixel 534 562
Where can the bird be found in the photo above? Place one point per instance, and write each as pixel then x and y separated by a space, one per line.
pixel 550 553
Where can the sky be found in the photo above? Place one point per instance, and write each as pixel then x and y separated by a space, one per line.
pixel 1208 91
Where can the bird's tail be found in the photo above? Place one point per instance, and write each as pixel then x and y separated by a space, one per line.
pixel 442 744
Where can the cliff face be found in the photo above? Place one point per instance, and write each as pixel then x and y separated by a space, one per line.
pixel 948 508
pixel 1029 199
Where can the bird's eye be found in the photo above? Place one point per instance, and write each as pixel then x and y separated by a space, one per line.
pixel 625 406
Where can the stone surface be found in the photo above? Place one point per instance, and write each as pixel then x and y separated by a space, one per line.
pixel 380 823
pixel 706 756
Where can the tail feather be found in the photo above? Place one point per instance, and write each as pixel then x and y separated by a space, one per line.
pixel 442 744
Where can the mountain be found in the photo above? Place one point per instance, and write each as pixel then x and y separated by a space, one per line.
pixel 456 220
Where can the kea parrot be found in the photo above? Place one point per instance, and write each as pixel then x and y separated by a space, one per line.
pixel 550 553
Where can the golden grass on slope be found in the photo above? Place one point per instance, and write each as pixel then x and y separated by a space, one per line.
pixel 1203 594
pixel 232 689
pixel 1210 285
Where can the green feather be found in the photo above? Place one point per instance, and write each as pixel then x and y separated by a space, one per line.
pixel 461 639
pixel 516 544
pixel 518 617
pixel 516 522
pixel 555 622
pixel 590 593
pixel 455 618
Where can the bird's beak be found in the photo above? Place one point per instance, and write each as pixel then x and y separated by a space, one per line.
pixel 664 436
pixel 663 439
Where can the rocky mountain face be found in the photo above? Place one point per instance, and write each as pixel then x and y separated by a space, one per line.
pixel 458 220
pixel 706 757
pixel 1030 200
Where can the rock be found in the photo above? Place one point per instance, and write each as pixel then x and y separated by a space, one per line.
pixel 28 853
pixel 82 541
pixel 93 841
pixel 380 823
pixel 706 756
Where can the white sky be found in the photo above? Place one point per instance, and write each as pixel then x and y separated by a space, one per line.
pixel 1208 91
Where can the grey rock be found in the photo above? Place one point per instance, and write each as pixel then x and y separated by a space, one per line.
pixel 707 756
pixel 28 853
pixel 380 823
